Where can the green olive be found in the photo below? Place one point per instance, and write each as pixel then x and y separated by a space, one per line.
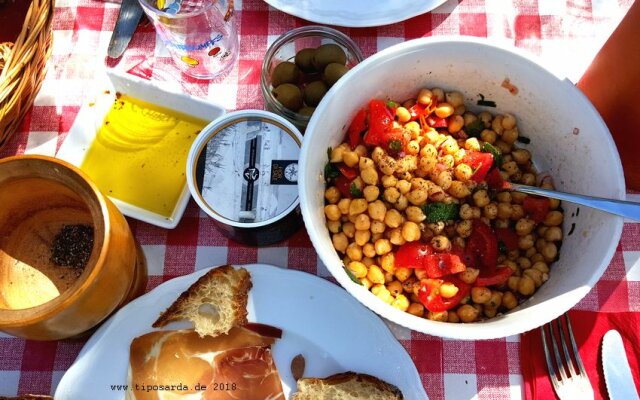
pixel 304 60
pixel 289 96
pixel 314 92
pixel 285 72
pixel 327 54
pixel 333 72
pixel 306 111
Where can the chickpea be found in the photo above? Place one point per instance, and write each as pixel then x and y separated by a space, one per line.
pixel 415 214
pixel 369 176
pixel 496 124
pixel 391 195
pixel 377 228
pixel 375 275
pixel 463 172
pixel 402 273
pixel 332 212
pixel 444 110
pixel 456 99
pixel 371 193
pixel 448 290
pixel 504 197
pixel 420 274
pixel 510 135
pixel 456 123
pixel 441 243
pixel 490 211
pixel 509 300
pixel 403 186
pixel 535 275
pixel 402 203
pixel 366 283
pixel 441 316
pixel 340 242
pixel 349 229
pixel 526 286
pixel 472 144
pixel 528 179
pixel 504 210
pixel 459 190
pixel 541 266
pixel 517 212
pixel 362 237
pixel 510 167
pixel 332 195
pixel 512 283
pixel 553 234
pixel 387 165
pixel 343 206
pixel 488 136
pixel 368 250
pixel 495 300
pixel 350 158
pixel 382 246
pixel 490 311
pixel 424 97
pixel 526 242
pixel 416 309
pixel 448 161
pixel 480 295
pixel 553 218
pixel 385 295
pixel 469 117
pixel 521 156
pixel 334 226
pixel 393 218
pixel 389 181
pixel 503 146
pixel 354 252
pixel 466 212
pixel 395 237
pixel 400 302
pixel 549 251
pixel 464 228
pixel 443 180
pixel 377 210
pixel 467 313
pixel 517 197
pixel 358 269
pixel 403 115
pixel 524 226
pixel 357 206
pixel 411 231
pixel 362 222
pixel 469 275
pixel 417 196
pixel 523 262
pixel 481 198
pixel 395 287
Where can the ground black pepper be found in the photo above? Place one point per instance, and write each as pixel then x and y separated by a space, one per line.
pixel 72 247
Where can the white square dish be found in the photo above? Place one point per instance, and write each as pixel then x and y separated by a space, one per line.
pixel 92 114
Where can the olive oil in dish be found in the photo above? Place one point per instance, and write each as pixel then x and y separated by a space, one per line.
pixel 140 152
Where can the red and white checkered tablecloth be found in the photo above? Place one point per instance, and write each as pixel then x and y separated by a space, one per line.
pixel 565 34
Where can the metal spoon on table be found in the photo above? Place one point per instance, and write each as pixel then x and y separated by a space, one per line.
pixel 627 209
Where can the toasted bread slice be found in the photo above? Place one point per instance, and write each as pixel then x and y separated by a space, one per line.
pixel 346 386
pixel 215 303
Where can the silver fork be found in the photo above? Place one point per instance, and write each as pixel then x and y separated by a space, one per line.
pixel 574 384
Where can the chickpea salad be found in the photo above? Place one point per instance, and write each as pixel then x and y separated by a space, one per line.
pixel 418 207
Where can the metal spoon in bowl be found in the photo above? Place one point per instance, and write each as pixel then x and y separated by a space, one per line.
pixel 627 209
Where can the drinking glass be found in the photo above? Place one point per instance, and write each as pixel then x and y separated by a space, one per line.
pixel 200 34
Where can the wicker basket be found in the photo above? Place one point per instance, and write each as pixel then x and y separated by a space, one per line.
pixel 23 67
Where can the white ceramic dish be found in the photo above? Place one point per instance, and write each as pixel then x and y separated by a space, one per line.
pixel 319 320
pixel 354 13
pixel 568 139
pixel 90 118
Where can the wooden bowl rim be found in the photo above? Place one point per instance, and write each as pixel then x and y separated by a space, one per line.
pixel 21 317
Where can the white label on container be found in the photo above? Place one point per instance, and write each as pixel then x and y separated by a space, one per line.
pixel 248 171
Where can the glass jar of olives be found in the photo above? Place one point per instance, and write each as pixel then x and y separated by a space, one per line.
pixel 301 66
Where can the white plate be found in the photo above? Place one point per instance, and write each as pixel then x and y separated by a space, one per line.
pixel 319 320
pixel 92 114
pixel 355 13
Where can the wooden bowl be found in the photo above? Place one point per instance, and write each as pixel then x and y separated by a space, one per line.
pixel 39 299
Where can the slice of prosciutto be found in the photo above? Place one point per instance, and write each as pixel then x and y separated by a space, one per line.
pixel 179 364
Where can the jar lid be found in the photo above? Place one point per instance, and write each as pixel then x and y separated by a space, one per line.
pixel 242 169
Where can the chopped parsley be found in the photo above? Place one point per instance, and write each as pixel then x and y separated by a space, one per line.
pixel 330 172
pixel 474 128
pixel 351 276
pixel 502 248
pixel 495 152
pixel 437 212
pixel 523 139
pixel 353 189
pixel 486 103
pixel 395 146
pixel 392 104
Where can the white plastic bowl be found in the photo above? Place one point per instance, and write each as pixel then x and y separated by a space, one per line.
pixel 568 139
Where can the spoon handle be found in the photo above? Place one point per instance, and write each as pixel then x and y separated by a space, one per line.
pixel 622 208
